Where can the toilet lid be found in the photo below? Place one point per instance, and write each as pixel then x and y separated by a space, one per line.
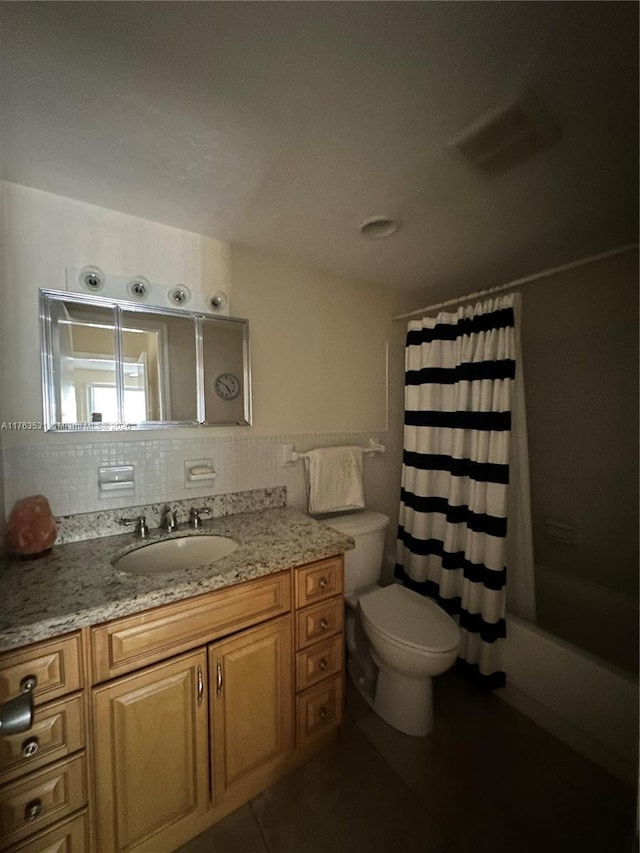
pixel 410 618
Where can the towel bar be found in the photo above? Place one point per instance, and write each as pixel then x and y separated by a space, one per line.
pixel 289 455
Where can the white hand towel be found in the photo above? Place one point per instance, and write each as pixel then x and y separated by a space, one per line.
pixel 335 479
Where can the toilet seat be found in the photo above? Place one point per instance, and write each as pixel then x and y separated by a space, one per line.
pixel 408 619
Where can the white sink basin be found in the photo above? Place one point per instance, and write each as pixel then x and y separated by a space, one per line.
pixel 170 555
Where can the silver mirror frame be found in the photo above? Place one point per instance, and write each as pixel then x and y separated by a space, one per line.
pixel 48 297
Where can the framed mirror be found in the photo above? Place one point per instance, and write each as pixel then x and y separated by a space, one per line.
pixel 110 364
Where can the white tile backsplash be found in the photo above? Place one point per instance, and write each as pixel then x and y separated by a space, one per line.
pixel 67 472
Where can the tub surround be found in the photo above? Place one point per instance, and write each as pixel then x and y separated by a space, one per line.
pixel 76 584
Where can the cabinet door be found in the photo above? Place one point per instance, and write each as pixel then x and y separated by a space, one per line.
pixel 151 756
pixel 252 708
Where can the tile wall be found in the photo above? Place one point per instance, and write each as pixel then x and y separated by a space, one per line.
pixel 65 469
pixel 67 473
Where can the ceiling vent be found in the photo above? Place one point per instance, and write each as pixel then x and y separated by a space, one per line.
pixel 506 136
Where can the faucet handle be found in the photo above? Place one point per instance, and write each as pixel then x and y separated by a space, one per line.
pixel 168 521
pixel 141 529
pixel 196 515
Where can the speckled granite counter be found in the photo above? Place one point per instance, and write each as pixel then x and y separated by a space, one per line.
pixel 76 585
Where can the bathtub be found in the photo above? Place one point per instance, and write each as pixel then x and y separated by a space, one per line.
pixel 591 705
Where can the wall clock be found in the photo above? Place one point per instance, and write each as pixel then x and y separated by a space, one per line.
pixel 227 386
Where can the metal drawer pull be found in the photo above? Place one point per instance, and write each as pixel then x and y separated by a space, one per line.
pixel 323 583
pixel 323 663
pixel 323 713
pixel 324 624
pixel 16 715
pixel 200 685
pixel 30 747
pixel 218 677
pixel 33 810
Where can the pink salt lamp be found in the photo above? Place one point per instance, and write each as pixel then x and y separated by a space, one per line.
pixel 31 528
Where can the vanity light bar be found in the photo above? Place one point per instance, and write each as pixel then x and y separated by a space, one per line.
pixel 91 279
pixel 289 455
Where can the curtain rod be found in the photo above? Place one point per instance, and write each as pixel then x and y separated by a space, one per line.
pixel 518 281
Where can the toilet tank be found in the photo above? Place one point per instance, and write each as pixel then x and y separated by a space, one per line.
pixel 363 564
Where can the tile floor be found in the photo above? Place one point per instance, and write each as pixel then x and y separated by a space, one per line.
pixel 487 780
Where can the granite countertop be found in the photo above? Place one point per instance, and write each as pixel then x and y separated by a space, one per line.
pixel 76 585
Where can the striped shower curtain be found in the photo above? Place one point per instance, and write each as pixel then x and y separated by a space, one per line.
pixel 452 528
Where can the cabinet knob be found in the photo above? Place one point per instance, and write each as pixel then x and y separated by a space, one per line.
pixel 32 810
pixel 28 683
pixel 323 664
pixel 324 624
pixel 323 583
pixel 30 747
pixel 323 713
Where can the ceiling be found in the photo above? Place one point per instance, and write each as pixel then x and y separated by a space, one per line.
pixel 283 125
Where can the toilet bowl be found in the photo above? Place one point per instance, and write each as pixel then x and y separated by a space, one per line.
pixel 412 640
pixel 397 640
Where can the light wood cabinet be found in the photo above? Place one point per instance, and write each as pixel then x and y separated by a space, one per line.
pixel 319 642
pixel 39 799
pixel 190 709
pixel 179 742
pixel 154 756
pixel 67 836
pixel 151 755
pixel 55 665
pixel 319 710
pixel 128 644
pixel 251 709
pixel 57 731
pixel 318 581
pixel 43 771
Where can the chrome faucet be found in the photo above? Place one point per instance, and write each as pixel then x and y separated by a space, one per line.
pixel 168 520
pixel 196 516
pixel 141 528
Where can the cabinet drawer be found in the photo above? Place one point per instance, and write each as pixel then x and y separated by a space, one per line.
pixel 68 836
pixel 318 581
pixel 57 731
pixel 40 799
pixel 319 709
pixel 322 620
pixel 135 641
pixel 318 662
pixel 55 664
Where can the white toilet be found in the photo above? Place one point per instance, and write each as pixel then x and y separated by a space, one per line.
pixel 397 639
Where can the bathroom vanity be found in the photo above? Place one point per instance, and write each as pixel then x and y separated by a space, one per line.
pixel 199 691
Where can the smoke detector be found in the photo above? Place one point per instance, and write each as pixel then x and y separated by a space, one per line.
pixel 507 135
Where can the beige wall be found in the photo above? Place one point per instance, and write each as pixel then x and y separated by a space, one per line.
pixel 580 353
pixel 318 352
pixel 318 345
pixel 43 233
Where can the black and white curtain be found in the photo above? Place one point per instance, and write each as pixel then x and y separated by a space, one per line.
pixel 460 369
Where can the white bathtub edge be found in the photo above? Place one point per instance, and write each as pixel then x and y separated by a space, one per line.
pixel 590 705
pixel 570 734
